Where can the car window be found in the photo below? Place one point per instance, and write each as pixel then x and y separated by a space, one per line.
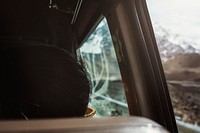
pixel 99 58
pixel 176 25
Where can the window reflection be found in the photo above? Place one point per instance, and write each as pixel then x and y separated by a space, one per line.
pixel 98 55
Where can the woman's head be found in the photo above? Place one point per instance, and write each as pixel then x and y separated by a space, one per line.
pixel 42 82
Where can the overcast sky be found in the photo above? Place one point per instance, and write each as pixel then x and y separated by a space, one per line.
pixel 180 16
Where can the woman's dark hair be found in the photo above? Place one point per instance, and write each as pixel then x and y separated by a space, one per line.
pixel 41 82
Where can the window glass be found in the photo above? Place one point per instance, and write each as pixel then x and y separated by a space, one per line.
pixel 176 25
pixel 98 56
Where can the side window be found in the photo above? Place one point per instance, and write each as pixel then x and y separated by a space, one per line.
pixel 176 25
pixel 98 56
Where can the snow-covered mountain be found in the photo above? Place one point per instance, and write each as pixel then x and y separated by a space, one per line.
pixel 171 44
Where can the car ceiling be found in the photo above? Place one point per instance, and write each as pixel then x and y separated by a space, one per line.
pixel 87 14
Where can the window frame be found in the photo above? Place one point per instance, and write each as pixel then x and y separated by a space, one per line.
pixel 140 64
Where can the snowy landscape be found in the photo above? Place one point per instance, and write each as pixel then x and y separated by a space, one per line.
pixel 181 63
pixel 176 25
